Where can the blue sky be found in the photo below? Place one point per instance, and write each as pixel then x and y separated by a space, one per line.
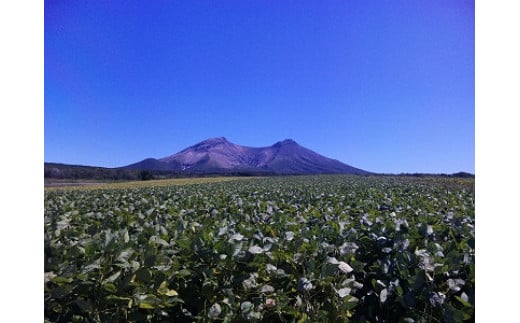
pixel 386 86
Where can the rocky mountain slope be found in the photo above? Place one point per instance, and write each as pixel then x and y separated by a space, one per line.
pixel 221 155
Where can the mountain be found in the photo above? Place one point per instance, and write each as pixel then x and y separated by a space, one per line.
pixel 217 155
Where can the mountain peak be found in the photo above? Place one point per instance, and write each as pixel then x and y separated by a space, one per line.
pixel 286 142
pixel 215 140
pixel 220 155
pixel 211 142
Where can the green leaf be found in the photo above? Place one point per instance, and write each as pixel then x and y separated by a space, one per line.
pixel 463 302
pixel 61 280
pixel 143 275
pixel 164 290
pixel 184 273
pixel 303 318
pixel 246 306
pixel 109 287
pixel 150 259
pixel 83 305
pixel 383 295
pixel 343 292
pixel 113 277
pixel 171 292
pixel 147 305
pixel 60 292
pixel 148 301
pixel 125 255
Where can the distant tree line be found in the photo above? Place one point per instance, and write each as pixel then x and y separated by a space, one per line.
pixel 61 171
pixel 76 172
pixel 459 175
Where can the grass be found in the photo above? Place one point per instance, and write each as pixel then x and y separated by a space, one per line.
pixel 140 184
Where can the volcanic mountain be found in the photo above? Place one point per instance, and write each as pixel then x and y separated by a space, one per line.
pixel 219 155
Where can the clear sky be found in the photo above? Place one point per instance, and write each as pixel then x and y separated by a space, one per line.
pixel 386 86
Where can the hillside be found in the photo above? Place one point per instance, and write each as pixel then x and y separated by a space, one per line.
pixel 220 155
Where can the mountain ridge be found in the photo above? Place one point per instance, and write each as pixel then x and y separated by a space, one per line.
pixel 220 155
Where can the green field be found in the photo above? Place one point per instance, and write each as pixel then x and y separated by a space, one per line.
pixel 288 249
pixel 98 185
